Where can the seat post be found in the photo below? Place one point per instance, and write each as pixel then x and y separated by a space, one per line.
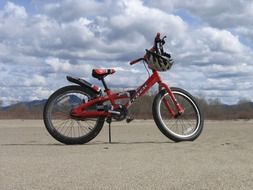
pixel 104 84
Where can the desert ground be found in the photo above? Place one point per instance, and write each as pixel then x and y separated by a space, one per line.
pixel 140 157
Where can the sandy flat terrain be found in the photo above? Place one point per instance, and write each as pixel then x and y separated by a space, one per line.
pixel 140 158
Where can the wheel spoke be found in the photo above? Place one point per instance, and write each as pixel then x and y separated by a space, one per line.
pixel 65 129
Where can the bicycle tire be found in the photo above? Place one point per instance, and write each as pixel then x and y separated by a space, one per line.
pixel 174 135
pixel 54 131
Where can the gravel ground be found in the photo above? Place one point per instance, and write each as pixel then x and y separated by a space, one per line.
pixel 140 157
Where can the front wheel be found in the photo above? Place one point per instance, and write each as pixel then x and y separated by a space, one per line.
pixel 185 127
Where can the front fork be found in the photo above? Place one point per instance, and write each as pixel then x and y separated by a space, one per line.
pixel 180 109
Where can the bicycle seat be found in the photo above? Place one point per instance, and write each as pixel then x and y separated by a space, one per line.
pixel 101 73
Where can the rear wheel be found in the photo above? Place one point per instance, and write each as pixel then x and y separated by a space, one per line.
pixel 61 125
pixel 185 127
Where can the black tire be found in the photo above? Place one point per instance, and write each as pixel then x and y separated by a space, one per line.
pixel 58 121
pixel 191 121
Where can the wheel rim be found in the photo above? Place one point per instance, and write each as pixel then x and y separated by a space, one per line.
pixel 60 119
pixel 185 125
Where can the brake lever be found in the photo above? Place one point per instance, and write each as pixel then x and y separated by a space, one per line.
pixel 163 41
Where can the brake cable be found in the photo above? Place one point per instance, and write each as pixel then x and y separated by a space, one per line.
pixel 146 67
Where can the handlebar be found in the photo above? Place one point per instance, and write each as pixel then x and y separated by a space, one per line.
pixel 159 40
pixel 136 60
pixel 157 47
pixel 158 44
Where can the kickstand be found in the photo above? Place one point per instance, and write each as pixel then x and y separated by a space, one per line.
pixel 109 121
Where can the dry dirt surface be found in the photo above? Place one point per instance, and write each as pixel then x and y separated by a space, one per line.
pixel 140 157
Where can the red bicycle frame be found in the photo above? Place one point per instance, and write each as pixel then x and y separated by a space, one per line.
pixel 82 111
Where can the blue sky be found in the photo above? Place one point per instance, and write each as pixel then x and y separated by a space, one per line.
pixel 43 41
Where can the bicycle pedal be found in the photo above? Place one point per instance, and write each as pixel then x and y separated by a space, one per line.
pixel 128 120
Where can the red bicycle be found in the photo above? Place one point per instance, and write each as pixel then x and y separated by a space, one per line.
pixel 76 114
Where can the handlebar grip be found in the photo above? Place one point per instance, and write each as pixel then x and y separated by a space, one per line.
pixel 158 35
pixel 157 38
pixel 157 41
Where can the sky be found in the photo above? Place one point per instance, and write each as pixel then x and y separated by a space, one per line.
pixel 210 41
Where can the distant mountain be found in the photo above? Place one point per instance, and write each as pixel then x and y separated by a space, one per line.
pixel 33 109
pixel 29 105
pixel 141 109
pixel 72 99
pixel 36 103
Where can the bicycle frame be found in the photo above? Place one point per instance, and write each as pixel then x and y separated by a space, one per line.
pixel 82 112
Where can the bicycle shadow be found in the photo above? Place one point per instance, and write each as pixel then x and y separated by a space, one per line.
pixel 90 144
pixel 32 144
pixel 135 142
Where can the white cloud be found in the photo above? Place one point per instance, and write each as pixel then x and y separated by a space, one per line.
pixel 68 10
pixel 222 40
pixel 35 80
pixel 146 20
pixel 12 10
pixel 58 65
pixel 65 67
pixel 40 93
pixel 72 37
